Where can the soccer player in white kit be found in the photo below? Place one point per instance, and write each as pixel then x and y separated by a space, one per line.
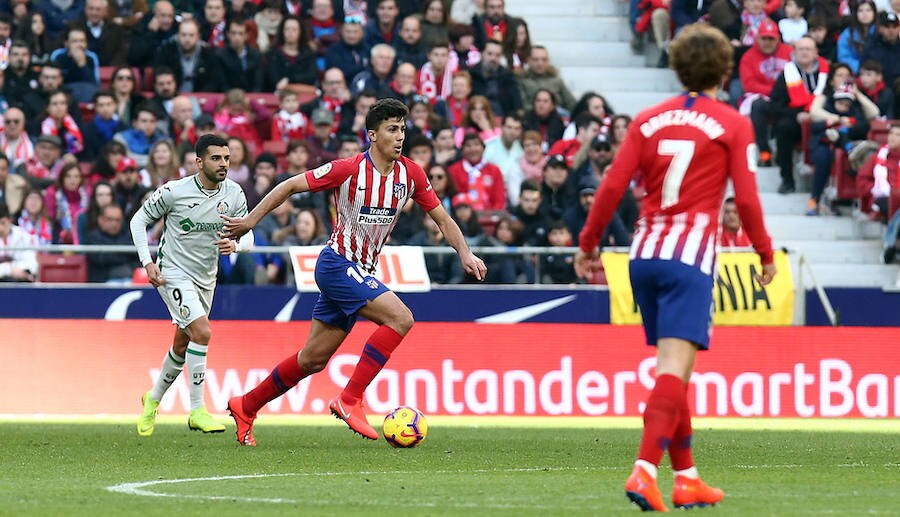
pixel 185 269
pixel 370 190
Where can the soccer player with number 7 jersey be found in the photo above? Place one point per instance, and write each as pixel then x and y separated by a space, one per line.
pixel 687 148
pixel 370 190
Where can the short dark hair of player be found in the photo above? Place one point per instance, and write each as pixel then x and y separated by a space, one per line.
pixel 701 57
pixel 207 141
pixel 385 109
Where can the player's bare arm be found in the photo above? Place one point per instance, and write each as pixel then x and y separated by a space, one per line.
pixel 471 263
pixel 235 227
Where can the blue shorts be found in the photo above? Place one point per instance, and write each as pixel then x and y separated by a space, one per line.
pixel 344 287
pixel 675 300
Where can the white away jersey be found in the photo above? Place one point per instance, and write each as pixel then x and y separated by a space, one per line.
pixel 192 221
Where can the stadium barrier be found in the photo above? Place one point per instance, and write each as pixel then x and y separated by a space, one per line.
pixel 84 367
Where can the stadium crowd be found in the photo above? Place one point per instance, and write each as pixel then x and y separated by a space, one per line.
pixel 102 102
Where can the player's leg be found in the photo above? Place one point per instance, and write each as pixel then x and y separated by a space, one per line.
pixel 171 368
pixel 195 362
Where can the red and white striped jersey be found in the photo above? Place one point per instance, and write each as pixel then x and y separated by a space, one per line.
pixel 368 202
pixel 687 147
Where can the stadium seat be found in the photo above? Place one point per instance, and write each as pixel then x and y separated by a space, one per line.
pixel 87 112
pixel 106 74
pixel 878 130
pixel 209 101
pixel 276 147
pixel 62 268
pixel 840 174
pixel 305 92
pixel 147 77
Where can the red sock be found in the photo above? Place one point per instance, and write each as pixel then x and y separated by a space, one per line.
pixel 283 377
pixel 680 452
pixel 661 417
pixel 375 354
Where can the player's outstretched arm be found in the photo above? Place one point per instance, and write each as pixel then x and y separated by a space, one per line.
pixel 235 227
pixel 138 227
pixel 471 264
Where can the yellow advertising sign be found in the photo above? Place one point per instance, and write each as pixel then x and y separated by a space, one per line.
pixel 737 296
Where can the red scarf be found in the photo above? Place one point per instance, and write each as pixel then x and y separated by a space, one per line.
pixel 290 126
pixel 477 189
pixel 882 185
pixel 455 111
pixel 495 31
pixel 217 35
pixel 429 85
pixel 874 92
pixel 39 229
pixel 24 149
pixel 800 96
pixel 71 134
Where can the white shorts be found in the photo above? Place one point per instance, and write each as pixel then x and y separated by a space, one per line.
pixel 185 300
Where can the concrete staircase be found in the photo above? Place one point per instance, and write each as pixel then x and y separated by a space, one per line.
pixel 588 41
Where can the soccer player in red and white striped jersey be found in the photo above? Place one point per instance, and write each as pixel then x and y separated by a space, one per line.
pixel 369 191
pixel 687 148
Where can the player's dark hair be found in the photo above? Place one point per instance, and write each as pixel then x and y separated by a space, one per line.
pixel 385 109
pixel 701 57
pixel 206 141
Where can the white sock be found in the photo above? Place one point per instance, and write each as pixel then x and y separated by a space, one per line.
pixel 195 360
pixel 651 469
pixel 691 473
pixel 171 368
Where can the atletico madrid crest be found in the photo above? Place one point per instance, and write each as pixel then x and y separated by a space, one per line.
pixel 399 190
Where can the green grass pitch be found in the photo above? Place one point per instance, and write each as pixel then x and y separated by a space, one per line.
pixel 471 466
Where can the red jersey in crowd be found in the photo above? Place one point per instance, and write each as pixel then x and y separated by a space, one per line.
pixel 368 202
pixel 687 147
pixel 482 181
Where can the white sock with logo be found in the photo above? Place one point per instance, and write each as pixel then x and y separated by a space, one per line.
pixel 650 468
pixel 171 368
pixel 195 360
pixel 690 473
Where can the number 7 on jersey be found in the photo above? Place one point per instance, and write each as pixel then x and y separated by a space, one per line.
pixel 682 152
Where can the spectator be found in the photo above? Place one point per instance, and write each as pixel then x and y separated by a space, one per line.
pixel 575 149
pixel 14 142
pixel 321 141
pixel 335 97
pixel 104 39
pixel 481 181
pixel 456 104
pixel 19 78
pixel 110 267
pixel 291 60
pixel 886 47
pixel 527 210
pixel 37 40
pixel 409 45
pixel 445 150
pixel 505 152
pixel 517 48
pixel 479 119
pixel 793 93
pixel 380 74
pixel 104 166
pixel 127 186
pixel 322 29
pixel 732 234
pixel 618 130
pixel 494 24
pixel 128 13
pixel 194 66
pixel 353 122
pixel 80 67
pixel 267 21
pixel 298 156
pixel 240 162
pixel 357 9
pixel 179 125
pixel 6 22
pixel 686 12
pixel 235 117
pixel 213 26
pixel 818 31
pixel 151 33
pixel 50 80
pixel 101 195
pixel 511 268
pixel 308 229
pixel 596 105
pixel 543 118
pixel 61 124
pixel 241 65
pixel 542 76
pixel 858 35
pixel 443 268
pixel 142 135
pixel 464 11
pixel 43 169
pixel 878 185
pixel 462 46
pixel 262 179
pixel 442 184
pixel 162 167
pixel 871 84
pixel 102 127
pixel 403 87
pixel 615 234
pixel 350 54
pixel 496 82
pixel 597 157
pixel 838 120
pixel 12 188
pixel 188 159
pixel 558 268
pixel 65 200
pixel 125 93
pixel 420 150
pixel 557 189
pixel 348 146
pixel 289 123
pixel 436 75
pixel 33 218
pixel 278 224
pixel 531 165
pixel 794 25
pixel 656 15
pixel 165 88
pixel 464 215
pixel 384 27
pixel 434 23
pixel 759 67
pixel 58 13
pixel 15 266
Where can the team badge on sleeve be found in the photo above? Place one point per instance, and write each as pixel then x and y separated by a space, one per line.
pixel 321 171
pixel 399 190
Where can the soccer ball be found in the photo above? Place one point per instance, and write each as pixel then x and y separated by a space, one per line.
pixel 404 427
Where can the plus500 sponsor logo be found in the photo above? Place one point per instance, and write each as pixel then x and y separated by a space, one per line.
pixel 376 216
